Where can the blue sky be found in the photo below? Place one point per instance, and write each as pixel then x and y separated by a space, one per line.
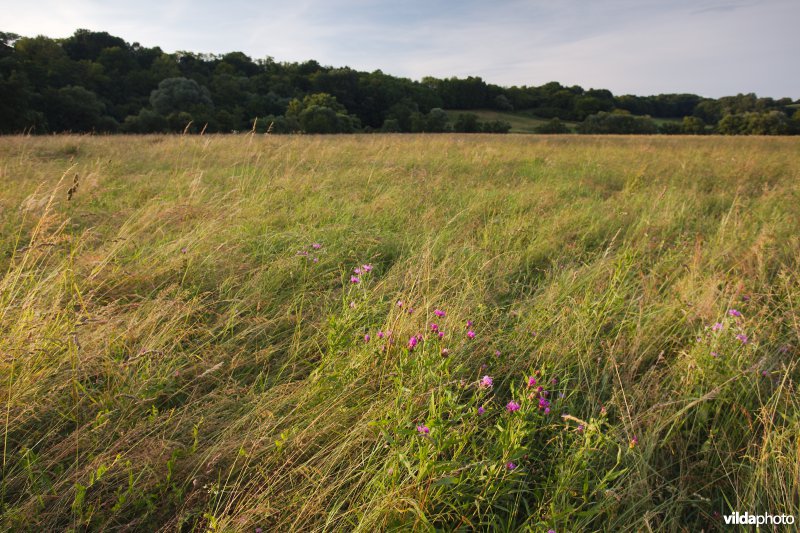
pixel 709 47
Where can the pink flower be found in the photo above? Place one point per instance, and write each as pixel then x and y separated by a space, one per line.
pixel 434 327
pixel 734 312
pixel 481 410
pixel 356 270
pixel 469 323
pixel 380 334
pixel 366 268
pixel 355 279
pixel 366 337
pixel 412 342
pixel 510 465
pixel 717 327
pixel 512 406
pixel 399 303
pixel 445 352
pixel 531 381
pixel 471 334
pixel 486 382
pixel 423 430
pixel 316 246
pixel 497 353
pixel 742 338
pixel 439 313
pixel 441 334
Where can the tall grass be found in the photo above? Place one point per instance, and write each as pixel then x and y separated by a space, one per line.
pixel 176 355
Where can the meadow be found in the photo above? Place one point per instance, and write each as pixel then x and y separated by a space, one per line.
pixel 398 332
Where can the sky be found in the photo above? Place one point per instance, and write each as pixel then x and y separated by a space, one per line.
pixel 709 47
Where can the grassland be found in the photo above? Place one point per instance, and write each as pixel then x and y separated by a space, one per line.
pixel 521 121
pixel 182 342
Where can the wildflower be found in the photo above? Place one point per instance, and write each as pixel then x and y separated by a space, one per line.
pixel 481 410
pixel 486 381
pixel 544 404
pixel 547 410
pixel 512 406
pixel 554 381
pixel 510 465
pixel 484 366
pixel 471 334
pixel 302 252
pixel 434 327
pixel 184 250
pixel 497 353
pixel 439 313
pixel 551 531
pixel 531 381
pixel 316 246
pixel 366 268
pixel 356 270
pixel 745 298
pixel 717 327
pixel 412 342
pixel 367 337
pixel 410 310
pixel 380 334
pixel 469 323
pixel 764 373
pixel 634 442
pixel 743 338
pixel 714 354
pixel 580 428
pixel 734 312
pixel 441 334
pixel 355 279
pixel 316 259
pixel 259 530
pixel 445 352
pixel 399 303
pixel 423 430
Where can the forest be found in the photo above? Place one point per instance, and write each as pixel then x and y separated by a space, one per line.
pixel 97 82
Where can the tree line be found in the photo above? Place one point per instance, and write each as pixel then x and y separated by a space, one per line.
pixel 97 82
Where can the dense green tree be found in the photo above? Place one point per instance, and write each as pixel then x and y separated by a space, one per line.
pixel 41 80
pixel 618 123
pixel 554 125
pixel 467 123
pixel 495 126
pixel 180 95
pixel 74 108
pixel 693 126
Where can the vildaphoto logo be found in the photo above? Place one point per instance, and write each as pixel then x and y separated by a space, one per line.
pixel 741 519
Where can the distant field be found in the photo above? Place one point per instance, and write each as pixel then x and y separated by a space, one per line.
pixel 521 121
pixel 225 333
